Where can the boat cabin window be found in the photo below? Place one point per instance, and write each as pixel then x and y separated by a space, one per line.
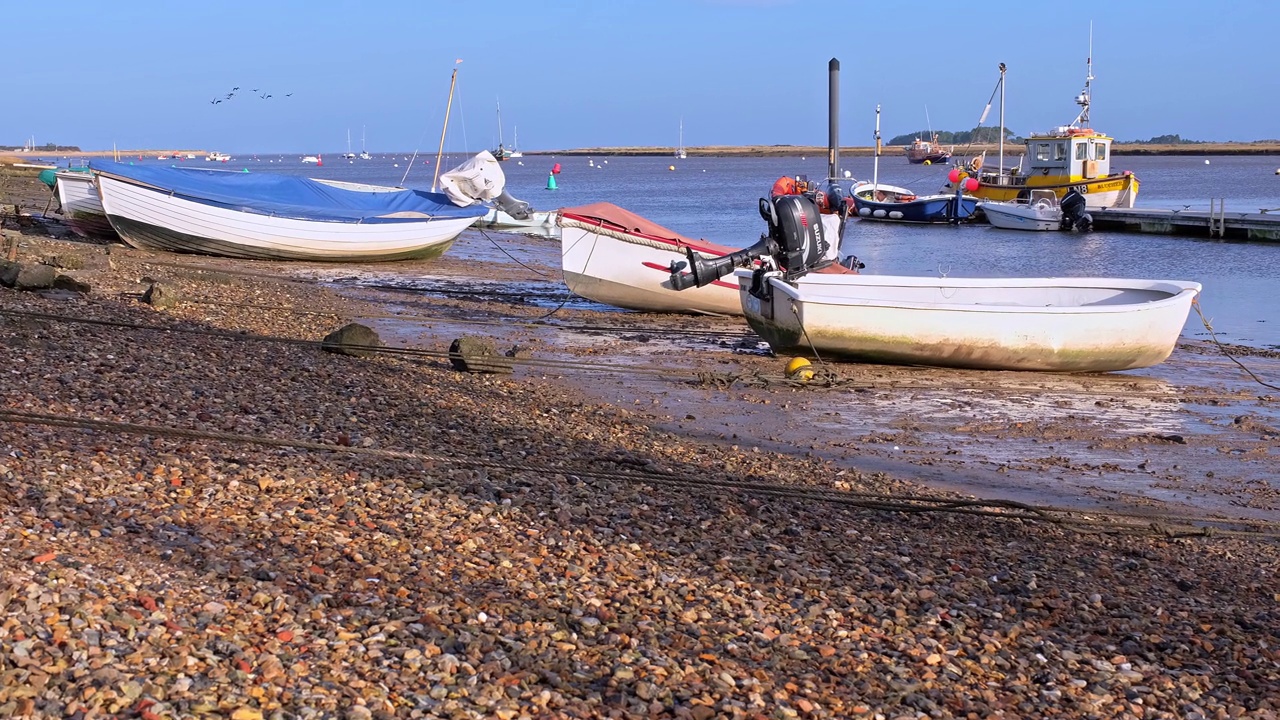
pixel 1082 151
pixel 1060 151
pixel 1102 151
pixel 1042 151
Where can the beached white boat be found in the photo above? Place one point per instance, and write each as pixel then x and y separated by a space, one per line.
pixel 81 206
pixel 616 257
pixel 1047 324
pixel 276 217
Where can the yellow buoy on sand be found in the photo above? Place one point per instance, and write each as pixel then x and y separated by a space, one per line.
pixel 799 369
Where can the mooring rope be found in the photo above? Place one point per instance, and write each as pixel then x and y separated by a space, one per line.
pixel 1195 303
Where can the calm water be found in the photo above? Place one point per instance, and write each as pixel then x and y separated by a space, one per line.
pixel 716 198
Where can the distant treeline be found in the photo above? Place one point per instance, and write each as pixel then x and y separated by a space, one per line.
pixel 985 135
pixel 977 136
pixel 47 147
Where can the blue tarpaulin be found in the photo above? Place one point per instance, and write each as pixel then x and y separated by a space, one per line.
pixel 290 196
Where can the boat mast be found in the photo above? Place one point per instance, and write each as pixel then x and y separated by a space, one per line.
pixel 833 119
pixel 436 175
pixel 495 102
pixel 1000 166
pixel 875 168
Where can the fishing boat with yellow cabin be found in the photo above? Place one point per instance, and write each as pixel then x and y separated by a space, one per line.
pixel 1069 157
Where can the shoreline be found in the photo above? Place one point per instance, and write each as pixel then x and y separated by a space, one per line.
pixel 1117 149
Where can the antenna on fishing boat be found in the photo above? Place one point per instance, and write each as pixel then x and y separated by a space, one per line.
pixel 875 168
pixel 1082 120
pixel 833 119
pixel 452 81
pixel 1000 166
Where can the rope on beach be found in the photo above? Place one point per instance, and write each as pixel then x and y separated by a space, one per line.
pixel 504 252
pixel 1207 326
pixel 1091 521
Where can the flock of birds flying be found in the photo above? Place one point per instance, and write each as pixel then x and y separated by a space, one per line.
pixel 260 93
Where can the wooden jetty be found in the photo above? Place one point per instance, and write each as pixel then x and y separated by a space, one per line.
pixel 1213 223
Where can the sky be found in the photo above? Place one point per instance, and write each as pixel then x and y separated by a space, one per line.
pixel 144 74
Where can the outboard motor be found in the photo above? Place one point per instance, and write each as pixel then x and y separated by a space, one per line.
pixel 795 241
pixel 518 209
pixel 796 227
pixel 1073 215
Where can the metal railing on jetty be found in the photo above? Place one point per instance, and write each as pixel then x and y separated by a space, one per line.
pixel 1216 222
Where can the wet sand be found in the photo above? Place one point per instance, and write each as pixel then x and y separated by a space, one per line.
pixel 1193 435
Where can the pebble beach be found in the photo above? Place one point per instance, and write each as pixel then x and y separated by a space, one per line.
pixel 202 514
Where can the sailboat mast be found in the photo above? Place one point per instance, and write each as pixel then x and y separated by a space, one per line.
pixel 436 175
pixel 1000 166
pixel 875 168
pixel 495 102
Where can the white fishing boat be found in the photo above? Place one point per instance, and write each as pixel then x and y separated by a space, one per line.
pixel 1041 212
pixel 217 157
pixel 1046 324
pixel 81 206
pixel 311 160
pixel 277 217
pixel 616 257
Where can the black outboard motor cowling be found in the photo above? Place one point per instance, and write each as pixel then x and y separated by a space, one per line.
pixel 795 241
pixel 796 226
pixel 1073 212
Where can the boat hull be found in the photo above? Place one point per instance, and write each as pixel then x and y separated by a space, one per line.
pixel 539 223
pixel 82 208
pixel 1053 325
pixel 1120 191
pixel 632 271
pixel 932 159
pixel 150 218
pixel 930 209
pixel 1021 216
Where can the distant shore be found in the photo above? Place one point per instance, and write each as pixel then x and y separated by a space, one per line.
pixel 1226 148
pixel 1223 148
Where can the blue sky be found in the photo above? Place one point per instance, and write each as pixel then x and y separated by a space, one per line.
pixel 142 74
